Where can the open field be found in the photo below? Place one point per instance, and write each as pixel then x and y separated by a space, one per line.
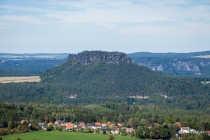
pixel 57 135
pixel 20 79
pixel 206 82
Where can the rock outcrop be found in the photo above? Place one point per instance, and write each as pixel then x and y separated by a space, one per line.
pixel 86 57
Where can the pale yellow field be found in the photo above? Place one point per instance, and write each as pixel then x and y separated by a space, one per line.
pixel 19 79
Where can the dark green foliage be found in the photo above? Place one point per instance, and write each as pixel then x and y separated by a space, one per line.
pixel 110 137
pixel 139 133
pixel 50 128
pixel 205 136
pixel 123 133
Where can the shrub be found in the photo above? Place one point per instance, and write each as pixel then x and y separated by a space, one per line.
pixel 49 128
pixel 110 137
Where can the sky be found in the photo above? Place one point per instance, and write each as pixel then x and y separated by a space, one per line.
pixel 72 26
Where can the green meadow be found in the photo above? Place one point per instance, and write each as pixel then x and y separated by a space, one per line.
pixel 63 135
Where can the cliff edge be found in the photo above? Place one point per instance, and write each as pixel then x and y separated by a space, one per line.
pixel 86 57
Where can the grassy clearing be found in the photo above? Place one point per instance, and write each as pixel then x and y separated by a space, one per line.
pixel 20 79
pixel 56 135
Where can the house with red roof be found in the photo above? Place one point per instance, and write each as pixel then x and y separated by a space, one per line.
pixel 208 132
pixel 82 125
pixel 22 121
pixel 69 125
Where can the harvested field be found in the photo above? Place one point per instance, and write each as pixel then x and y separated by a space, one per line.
pixel 19 79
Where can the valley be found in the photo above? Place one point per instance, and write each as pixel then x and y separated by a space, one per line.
pixel 101 87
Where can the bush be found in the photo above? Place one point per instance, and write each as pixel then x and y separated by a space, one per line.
pixel 49 128
pixel 110 137
pixel 123 133
pixel 97 131
pixel 2 131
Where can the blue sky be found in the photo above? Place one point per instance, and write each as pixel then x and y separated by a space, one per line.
pixel 71 26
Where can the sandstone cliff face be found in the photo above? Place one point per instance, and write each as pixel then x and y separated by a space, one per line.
pixel 86 57
pixel 177 66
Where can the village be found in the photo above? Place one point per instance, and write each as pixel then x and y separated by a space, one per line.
pixel 107 128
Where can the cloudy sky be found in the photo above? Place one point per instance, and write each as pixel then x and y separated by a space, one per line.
pixel 71 26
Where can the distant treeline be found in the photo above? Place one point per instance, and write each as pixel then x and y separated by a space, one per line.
pixel 27 67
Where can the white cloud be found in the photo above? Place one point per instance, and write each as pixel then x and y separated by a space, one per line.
pixel 107 22
pixel 22 18
pixel 24 8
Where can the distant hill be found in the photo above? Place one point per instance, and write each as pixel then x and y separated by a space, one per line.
pixel 180 64
pixel 29 64
pixel 170 54
pixel 30 56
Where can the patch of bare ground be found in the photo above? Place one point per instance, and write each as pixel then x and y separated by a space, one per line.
pixel 203 56
pixel 19 79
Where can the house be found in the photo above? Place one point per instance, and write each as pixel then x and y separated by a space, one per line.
pixel 43 125
pixel 49 124
pixel 59 123
pixel 69 125
pixel 104 128
pixel 129 130
pixel 78 128
pixel 120 124
pixel 89 125
pixel 110 124
pixel 82 125
pixel 123 128
pixel 22 121
pixel 185 130
pixel 98 124
pixel 116 131
pixel 208 132
pixel 103 125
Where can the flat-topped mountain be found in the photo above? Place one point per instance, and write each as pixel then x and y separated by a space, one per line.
pixel 105 76
pixel 86 57
pixel 98 77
